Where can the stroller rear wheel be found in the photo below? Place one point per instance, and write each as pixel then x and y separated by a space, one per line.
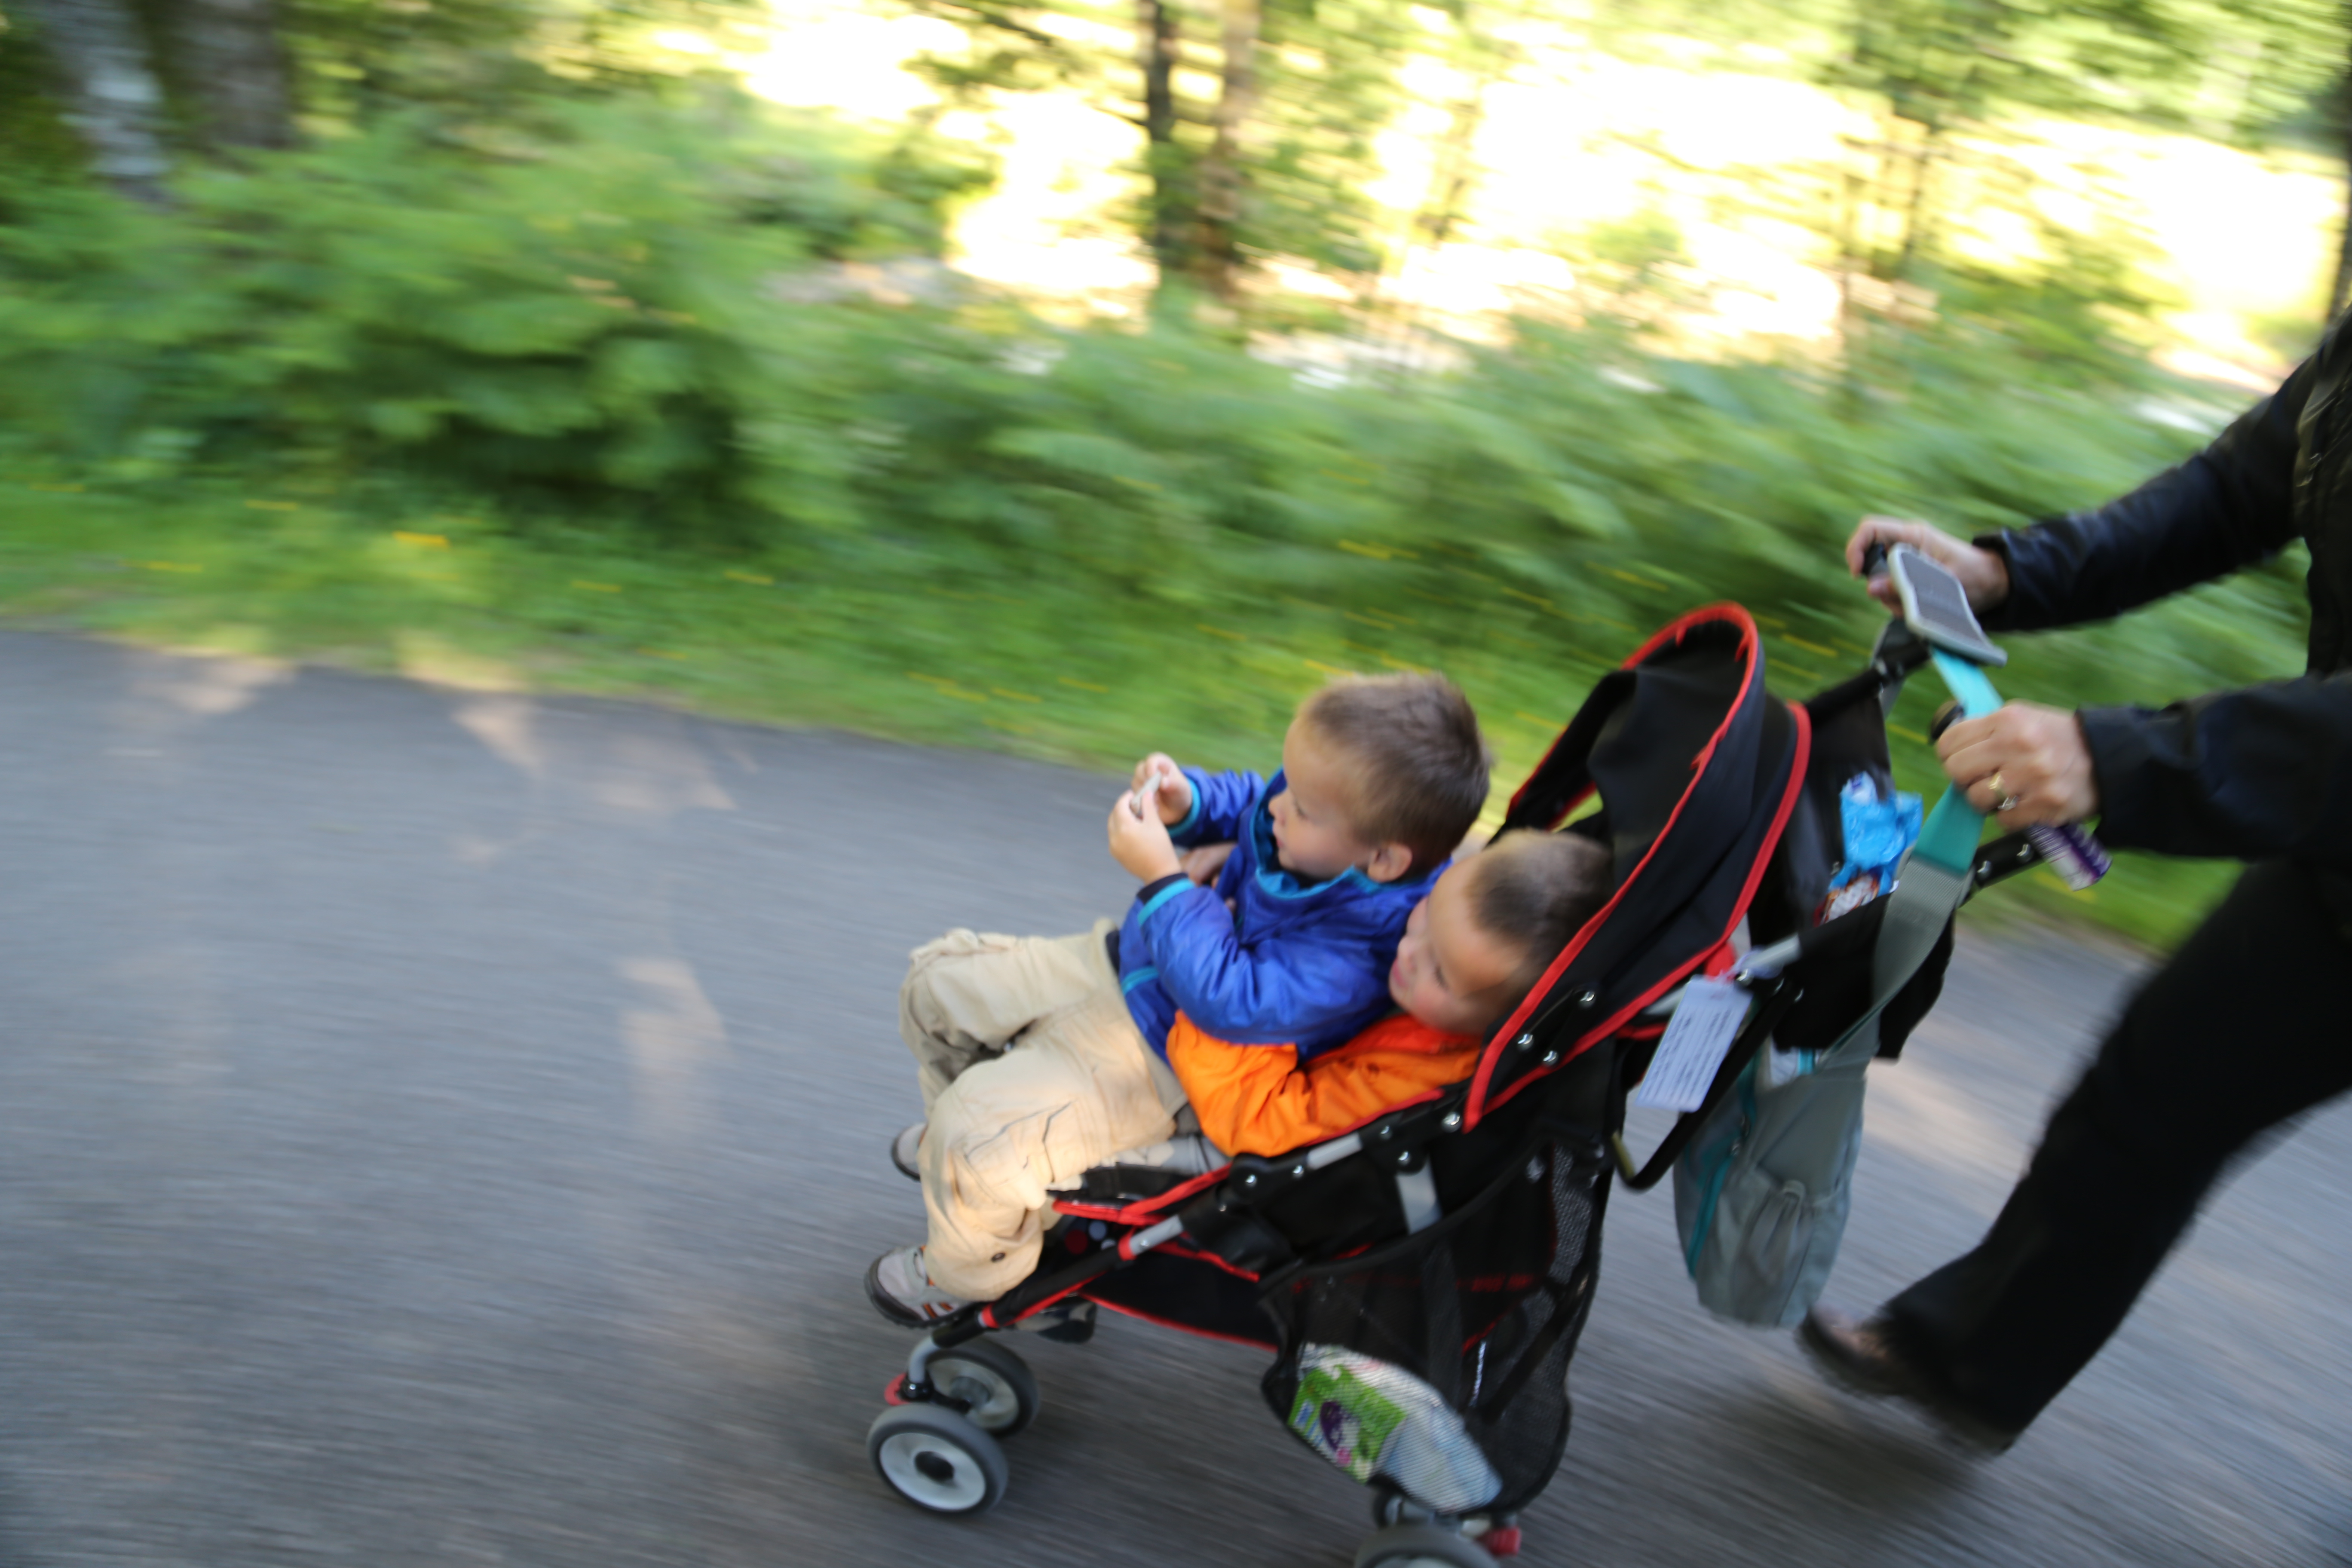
pixel 938 1460
pixel 992 1379
pixel 1420 1546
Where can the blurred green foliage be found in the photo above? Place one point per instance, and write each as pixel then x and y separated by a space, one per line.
pixel 676 402
pixel 599 313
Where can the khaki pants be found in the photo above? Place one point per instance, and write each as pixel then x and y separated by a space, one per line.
pixel 1032 1071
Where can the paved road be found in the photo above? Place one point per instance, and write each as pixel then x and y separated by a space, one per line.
pixel 447 1129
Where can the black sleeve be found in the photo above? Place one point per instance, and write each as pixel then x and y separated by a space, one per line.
pixel 2251 775
pixel 2228 507
pixel 1151 890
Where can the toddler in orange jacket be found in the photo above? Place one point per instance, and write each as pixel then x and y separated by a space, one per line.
pixel 1472 950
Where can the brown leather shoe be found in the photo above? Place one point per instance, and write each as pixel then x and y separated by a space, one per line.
pixel 1866 1357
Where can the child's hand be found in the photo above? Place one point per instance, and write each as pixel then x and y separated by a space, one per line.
pixel 1203 864
pixel 1161 782
pixel 1140 843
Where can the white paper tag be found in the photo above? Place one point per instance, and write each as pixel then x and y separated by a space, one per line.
pixel 1701 1031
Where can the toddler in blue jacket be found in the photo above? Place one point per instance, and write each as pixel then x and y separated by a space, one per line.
pixel 1040 1058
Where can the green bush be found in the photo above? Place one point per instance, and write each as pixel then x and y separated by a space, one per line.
pixel 598 318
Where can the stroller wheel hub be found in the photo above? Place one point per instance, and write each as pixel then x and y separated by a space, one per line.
pixel 936 1460
pixel 993 1386
pixel 1421 1545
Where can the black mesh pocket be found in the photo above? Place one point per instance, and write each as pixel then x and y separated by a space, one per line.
pixel 1484 1307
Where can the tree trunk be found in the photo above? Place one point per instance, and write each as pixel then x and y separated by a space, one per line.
pixel 1454 171
pixel 112 99
pixel 1218 256
pixel 1160 45
pixel 2343 284
pixel 1852 340
pixel 2343 260
pixel 1915 209
pixel 236 66
pixel 1456 167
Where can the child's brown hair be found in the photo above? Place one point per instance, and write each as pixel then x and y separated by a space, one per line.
pixel 1537 891
pixel 1421 763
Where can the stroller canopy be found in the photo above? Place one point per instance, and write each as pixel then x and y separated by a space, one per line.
pixel 1697 769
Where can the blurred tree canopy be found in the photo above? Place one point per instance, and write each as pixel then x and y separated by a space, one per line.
pixel 1954 84
pixel 1257 119
pixel 1257 116
pixel 630 308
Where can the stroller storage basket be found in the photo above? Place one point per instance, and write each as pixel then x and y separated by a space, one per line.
pixel 1482 1308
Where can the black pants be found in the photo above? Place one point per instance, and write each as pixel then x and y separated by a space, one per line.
pixel 2246 1027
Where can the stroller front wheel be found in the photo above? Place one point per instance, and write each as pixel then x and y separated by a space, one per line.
pixel 938 1460
pixel 1420 1546
pixel 993 1382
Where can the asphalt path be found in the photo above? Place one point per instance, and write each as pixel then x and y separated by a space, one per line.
pixel 441 1128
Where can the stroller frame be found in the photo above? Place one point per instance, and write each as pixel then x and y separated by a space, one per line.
pixel 1242 1246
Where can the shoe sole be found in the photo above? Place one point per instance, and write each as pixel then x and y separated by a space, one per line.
pixel 1976 1437
pixel 1831 1365
pixel 906 1168
pixel 887 1304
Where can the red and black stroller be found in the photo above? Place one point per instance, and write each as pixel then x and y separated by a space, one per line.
pixel 1422 1282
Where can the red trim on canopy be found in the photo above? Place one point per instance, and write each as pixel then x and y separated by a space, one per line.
pixel 1671 631
pixel 1475 1107
pixel 1721 945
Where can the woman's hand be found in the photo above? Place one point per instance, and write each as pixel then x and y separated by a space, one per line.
pixel 1984 573
pixel 2025 764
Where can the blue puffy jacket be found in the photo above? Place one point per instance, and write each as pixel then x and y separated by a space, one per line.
pixel 1303 964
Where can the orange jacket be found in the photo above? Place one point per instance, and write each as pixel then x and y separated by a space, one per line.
pixel 1257 1099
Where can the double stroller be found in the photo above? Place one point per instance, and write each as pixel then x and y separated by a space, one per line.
pixel 1422 1282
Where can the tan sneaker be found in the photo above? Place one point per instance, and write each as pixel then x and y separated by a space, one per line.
pixel 900 1289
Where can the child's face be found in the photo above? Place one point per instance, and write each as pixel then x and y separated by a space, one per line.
pixel 1312 835
pixel 1450 972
